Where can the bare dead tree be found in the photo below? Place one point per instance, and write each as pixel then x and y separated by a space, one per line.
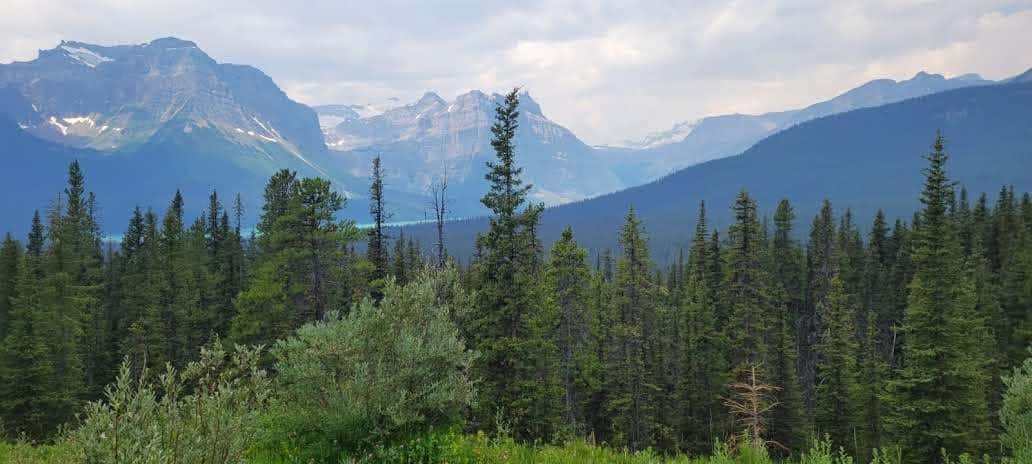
pixel 750 402
pixel 439 204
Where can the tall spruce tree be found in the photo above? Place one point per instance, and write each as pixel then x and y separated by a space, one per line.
pixel 787 422
pixel 632 389
pixel 376 249
pixel 750 305
pixel 939 395
pixel 505 321
pixel 10 258
pixel 568 278
pixel 837 390
pixel 703 352
pixel 820 268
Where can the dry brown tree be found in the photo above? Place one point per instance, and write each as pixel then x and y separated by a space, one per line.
pixel 749 403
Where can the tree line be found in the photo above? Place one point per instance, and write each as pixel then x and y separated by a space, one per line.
pixel 901 335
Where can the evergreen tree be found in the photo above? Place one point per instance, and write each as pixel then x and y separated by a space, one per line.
pixel 300 275
pixel 568 280
pixel 508 302
pixel 376 249
pixel 820 268
pixel 704 377
pixel 873 373
pixel 836 408
pixel 939 395
pixel 632 389
pixel 10 258
pixel 787 422
pixel 749 296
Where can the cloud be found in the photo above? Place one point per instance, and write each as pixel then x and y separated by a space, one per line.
pixel 607 70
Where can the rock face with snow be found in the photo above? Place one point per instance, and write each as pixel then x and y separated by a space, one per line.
pixel 123 97
pixel 163 111
pixel 422 141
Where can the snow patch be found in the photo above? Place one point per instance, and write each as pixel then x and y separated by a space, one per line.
pixel 62 127
pixel 79 120
pixel 34 108
pixel 672 135
pixel 85 56
pixel 23 126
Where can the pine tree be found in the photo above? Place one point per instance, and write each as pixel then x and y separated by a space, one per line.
pixel 835 413
pixel 27 377
pixel 568 280
pixel 938 397
pixel 376 249
pixel 872 378
pixel 508 303
pixel 10 258
pixel 787 421
pixel 300 275
pixel 820 268
pixel 749 296
pixel 602 318
pixel 632 389
pixel 703 353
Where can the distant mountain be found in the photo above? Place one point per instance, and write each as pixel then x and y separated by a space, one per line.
pixel 421 141
pixel 863 159
pixel 693 142
pixel 167 110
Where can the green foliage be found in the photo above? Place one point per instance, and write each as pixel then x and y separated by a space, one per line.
pixel 509 323
pixel 376 375
pixel 939 400
pixel 837 385
pixel 568 279
pixel 206 414
pixel 302 271
pixel 1016 412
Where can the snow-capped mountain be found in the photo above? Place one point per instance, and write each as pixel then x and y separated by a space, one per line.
pixel 426 139
pixel 714 137
pixel 168 110
pixel 121 97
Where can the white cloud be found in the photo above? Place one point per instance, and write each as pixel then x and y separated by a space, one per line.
pixel 608 70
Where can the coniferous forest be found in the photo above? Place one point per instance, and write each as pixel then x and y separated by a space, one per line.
pixel 310 339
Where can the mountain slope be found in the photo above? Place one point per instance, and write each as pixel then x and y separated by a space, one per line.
pixel 164 114
pixel 421 141
pixel 716 137
pixel 863 159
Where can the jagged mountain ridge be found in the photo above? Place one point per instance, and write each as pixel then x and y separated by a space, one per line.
pixel 427 139
pixel 164 113
pixel 862 159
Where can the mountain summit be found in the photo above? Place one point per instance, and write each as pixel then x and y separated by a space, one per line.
pixel 431 137
pixel 164 111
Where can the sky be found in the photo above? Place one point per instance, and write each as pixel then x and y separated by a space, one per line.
pixel 609 71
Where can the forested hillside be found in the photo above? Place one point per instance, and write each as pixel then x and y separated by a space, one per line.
pixel 894 329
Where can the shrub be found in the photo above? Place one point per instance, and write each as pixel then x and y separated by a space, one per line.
pixel 376 377
pixel 1016 413
pixel 207 414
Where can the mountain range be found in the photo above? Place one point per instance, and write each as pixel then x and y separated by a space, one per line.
pixel 151 118
pixel 693 142
pixel 862 160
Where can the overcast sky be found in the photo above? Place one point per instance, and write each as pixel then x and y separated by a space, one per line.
pixel 609 71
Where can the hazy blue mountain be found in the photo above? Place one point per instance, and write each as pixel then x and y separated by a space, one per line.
pixel 863 159
pixel 162 114
pixel 693 142
pixel 421 141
